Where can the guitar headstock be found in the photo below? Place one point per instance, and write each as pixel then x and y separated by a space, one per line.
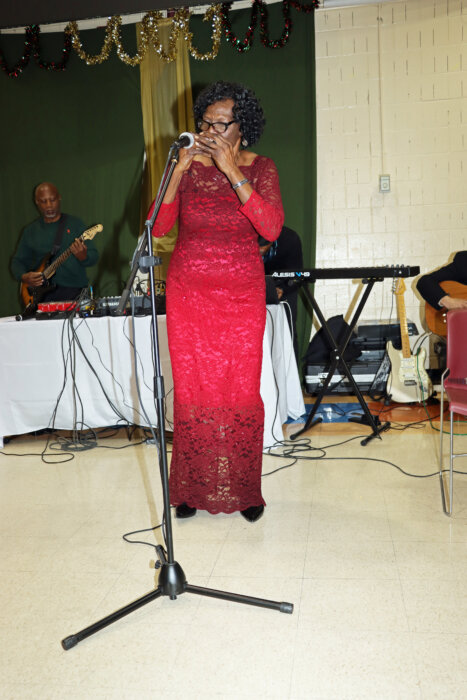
pixel 89 234
pixel 398 286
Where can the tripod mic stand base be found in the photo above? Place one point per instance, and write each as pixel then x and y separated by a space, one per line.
pixel 172 582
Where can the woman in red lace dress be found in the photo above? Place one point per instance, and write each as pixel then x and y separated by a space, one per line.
pixel 224 197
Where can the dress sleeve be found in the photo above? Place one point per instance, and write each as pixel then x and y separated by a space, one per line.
pixel 166 218
pixel 264 206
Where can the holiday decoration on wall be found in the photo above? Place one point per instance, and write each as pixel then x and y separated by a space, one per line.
pixel 244 44
pixel 32 46
pixel 149 37
pixel 217 15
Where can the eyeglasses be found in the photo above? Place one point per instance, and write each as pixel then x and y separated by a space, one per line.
pixel 219 127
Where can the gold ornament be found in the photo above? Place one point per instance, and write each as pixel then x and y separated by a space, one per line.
pixel 149 37
pixel 213 15
pixel 72 28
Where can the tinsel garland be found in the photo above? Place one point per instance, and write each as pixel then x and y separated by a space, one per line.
pixel 32 45
pixel 149 37
pixel 244 44
pixel 217 15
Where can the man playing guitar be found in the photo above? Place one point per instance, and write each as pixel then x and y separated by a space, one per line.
pixel 53 232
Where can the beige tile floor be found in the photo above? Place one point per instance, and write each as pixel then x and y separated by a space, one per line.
pixel 377 575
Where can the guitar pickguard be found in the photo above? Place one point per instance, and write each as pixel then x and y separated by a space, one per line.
pixel 408 381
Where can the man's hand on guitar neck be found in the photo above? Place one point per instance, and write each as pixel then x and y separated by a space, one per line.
pixel 452 303
pixel 79 250
pixel 32 279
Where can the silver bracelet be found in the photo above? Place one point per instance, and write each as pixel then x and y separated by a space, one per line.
pixel 240 183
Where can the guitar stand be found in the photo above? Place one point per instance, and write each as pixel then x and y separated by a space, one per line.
pixel 337 359
pixel 172 581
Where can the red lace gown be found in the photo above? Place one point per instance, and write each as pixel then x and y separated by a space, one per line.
pixel 216 315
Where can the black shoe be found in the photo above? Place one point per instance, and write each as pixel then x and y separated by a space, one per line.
pixel 253 513
pixel 184 511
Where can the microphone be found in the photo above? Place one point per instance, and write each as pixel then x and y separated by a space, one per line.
pixel 185 140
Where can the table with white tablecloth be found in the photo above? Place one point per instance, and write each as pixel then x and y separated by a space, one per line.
pixel 96 372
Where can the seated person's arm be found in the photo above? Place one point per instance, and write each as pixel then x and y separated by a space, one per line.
pixel 452 303
pixel 430 289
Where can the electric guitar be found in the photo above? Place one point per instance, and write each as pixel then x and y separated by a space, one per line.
pixel 436 318
pixel 31 296
pixel 408 380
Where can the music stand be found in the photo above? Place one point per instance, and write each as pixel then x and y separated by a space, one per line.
pixel 172 581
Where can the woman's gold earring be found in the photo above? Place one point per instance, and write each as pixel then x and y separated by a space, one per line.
pixel 244 143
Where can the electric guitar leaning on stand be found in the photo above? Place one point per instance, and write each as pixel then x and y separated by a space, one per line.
pixel 408 380
pixel 31 296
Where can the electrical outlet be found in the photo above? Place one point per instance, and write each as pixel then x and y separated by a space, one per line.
pixel 384 183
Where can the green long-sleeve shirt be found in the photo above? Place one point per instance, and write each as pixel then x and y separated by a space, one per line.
pixel 37 241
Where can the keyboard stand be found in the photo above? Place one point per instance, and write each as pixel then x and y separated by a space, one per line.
pixel 337 358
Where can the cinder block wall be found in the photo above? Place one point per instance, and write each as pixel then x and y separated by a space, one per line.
pixel 391 99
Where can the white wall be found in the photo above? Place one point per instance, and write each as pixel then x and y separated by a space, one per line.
pixel 391 98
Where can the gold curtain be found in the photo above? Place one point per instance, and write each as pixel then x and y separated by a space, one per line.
pixel 166 103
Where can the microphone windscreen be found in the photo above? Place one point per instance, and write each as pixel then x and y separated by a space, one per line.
pixel 186 140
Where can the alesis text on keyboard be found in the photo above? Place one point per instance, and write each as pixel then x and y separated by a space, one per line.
pixel 350 273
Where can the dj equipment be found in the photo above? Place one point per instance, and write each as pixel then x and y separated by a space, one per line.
pixel 349 273
pixel 107 306
pixel 52 306
pixel 373 334
pixel 370 342
pixel 89 308
pixel 54 309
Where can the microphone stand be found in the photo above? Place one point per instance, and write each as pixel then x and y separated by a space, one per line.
pixel 172 581
pixel 145 243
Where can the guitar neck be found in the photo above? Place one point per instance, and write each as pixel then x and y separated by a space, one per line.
pixel 52 268
pixel 406 352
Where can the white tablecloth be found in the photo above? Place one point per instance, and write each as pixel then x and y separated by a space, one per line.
pixel 84 374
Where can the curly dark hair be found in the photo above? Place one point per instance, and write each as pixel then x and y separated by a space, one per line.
pixel 247 110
